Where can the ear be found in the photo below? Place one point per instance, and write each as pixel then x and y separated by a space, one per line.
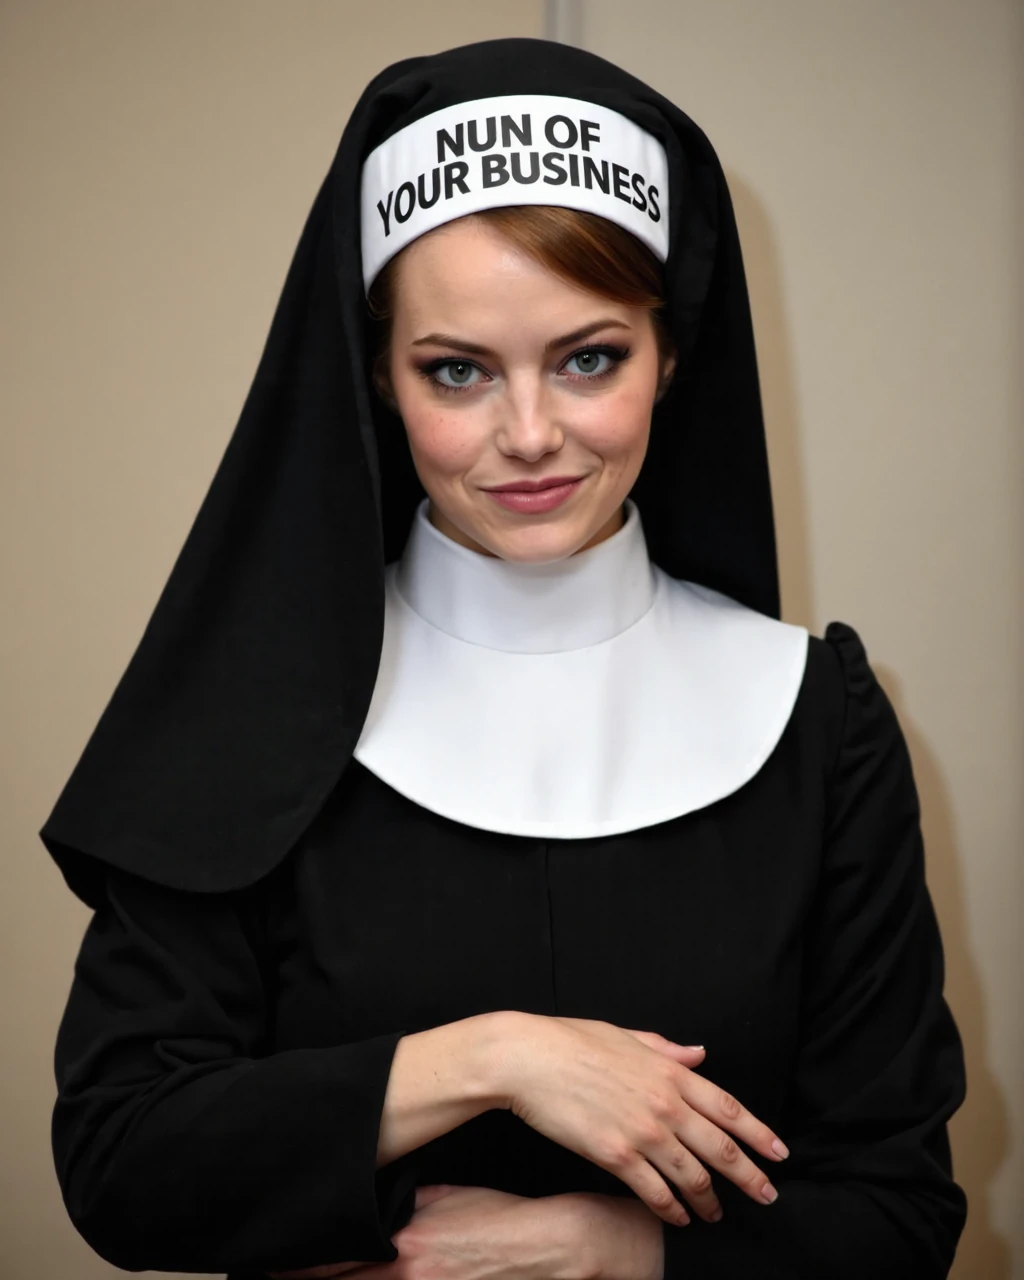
pixel 382 385
pixel 668 368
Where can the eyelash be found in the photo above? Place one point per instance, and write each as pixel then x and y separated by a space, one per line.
pixel 616 354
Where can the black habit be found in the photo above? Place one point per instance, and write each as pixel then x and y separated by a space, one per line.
pixel 270 916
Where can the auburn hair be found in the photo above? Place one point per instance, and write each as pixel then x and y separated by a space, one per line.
pixel 583 248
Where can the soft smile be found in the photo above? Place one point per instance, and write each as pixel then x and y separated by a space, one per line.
pixel 531 497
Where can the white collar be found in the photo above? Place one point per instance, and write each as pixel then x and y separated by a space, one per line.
pixel 589 696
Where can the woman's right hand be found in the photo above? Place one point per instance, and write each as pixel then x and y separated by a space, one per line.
pixel 629 1102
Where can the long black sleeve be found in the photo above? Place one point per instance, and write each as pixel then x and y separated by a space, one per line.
pixel 868 1188
pixel 180 1144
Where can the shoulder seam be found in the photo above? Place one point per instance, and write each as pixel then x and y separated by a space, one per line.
pixel 834 771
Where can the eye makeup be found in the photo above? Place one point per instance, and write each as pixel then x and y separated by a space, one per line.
pixel 615 355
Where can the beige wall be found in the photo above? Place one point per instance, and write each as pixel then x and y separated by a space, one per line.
pixel 873 148
pixel 158 162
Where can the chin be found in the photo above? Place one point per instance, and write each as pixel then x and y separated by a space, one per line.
pixel 539 543
pixel 529 539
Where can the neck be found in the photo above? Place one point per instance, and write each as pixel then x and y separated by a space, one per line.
pixel 440 521
pixel 519 607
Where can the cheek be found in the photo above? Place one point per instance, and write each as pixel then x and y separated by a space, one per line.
pixel 616 424
pixel 436 441
pixel 441 441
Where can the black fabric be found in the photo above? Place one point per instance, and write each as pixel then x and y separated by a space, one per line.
pixel 249 687
pixel 223 1058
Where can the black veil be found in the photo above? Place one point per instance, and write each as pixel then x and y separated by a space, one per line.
pixel 248 690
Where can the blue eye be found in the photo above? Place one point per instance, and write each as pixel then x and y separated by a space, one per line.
pixel 593 363
pixel 589 362
pixel 459 373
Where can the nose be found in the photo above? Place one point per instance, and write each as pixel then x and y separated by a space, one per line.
pixel 527 424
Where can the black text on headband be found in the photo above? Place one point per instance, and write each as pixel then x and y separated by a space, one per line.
pixel 516 149
pixel 518 165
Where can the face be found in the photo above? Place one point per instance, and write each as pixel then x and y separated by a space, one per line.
pixel 506 374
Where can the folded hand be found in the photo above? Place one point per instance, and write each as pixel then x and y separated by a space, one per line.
pixel 459 1233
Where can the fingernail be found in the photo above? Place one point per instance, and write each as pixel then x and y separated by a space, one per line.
pixel 692 1046
pixel 780 1149
pixel 717 1216
pixel 768 1193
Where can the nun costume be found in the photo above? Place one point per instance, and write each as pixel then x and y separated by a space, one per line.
pixel 311 819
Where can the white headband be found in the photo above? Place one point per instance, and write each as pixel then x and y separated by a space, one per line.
pixel 517 149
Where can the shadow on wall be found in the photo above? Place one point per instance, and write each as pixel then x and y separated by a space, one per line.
pixel 978 1130
pixel 778 395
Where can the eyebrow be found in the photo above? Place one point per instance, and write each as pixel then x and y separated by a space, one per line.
pixel 450 340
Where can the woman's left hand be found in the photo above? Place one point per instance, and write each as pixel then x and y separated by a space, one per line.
pixel 457 1233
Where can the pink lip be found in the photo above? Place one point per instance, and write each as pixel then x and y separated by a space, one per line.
pixel 532 486
pixel 534 501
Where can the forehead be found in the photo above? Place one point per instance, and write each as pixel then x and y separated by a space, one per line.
pixel 468 271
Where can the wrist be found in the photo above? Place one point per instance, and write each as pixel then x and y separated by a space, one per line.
pixel 576 1258
pixel 622 1238
pixel 496 1037
pixel 491 1041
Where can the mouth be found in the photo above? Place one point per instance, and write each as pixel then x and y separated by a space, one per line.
pixel 535 497
pixel 533 486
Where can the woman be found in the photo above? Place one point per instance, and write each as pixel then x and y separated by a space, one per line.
pixel 465 783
